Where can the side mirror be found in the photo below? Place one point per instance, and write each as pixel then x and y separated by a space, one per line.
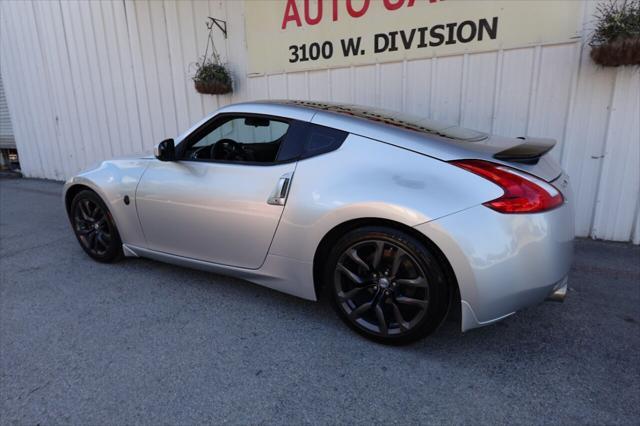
pixel 165 150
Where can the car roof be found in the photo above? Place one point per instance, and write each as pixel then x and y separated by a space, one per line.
pixel 419 134
pixel 352 116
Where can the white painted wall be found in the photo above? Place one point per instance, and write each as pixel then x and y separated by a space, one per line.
pixel 91 80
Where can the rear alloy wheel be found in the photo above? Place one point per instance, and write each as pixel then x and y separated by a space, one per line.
pixel 94 227
pixel 387 285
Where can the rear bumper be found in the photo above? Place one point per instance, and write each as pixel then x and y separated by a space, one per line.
pixel 559 292
pixel 503 262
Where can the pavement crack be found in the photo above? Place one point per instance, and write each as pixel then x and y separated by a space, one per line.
pixel 37 388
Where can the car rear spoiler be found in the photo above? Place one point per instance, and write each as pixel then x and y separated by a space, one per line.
pixel 528 152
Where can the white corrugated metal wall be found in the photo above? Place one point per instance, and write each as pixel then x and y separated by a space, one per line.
pixel 91 80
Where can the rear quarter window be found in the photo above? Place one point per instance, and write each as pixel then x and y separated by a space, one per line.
pixel 322 139
pixel 305 140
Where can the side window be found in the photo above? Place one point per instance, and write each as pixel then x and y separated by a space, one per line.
pixel 323 139
pixel 240 139
pixel 306 140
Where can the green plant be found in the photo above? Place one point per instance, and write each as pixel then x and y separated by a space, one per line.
pixel 616 20
pixel 207 70
pixel 616 38
pixel 212 78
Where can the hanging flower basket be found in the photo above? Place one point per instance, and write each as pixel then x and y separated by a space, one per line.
pixel 616 38
pixel 212 79
pixel 211 76
pixel 617 53
pixel 212 87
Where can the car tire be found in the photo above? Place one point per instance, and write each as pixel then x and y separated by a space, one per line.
pixel 387 285
pixel 94 227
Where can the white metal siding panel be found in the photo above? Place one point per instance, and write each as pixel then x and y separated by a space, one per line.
pixel 277 86
pixel 258 88
pixel 20 89
pixel 446 93
pixel 514 91
pixel 156 91
pixel 616 202
pixel 58 132
pixel 340 84
pixel 479 89
pixel 297 85
pixel 418 87
pixel 391 86
pixel 319 85
pixel 200 12
pixel 103 73
pixel 236 44
pixel 124 76
pixel 548 114
pixel 84 109
pixel 366 90
pixel 114 77
pixel 583 153
pixel 177 65
pixel 186 35
pixel 8 69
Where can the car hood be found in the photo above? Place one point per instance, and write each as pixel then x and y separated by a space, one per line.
pixel 146 154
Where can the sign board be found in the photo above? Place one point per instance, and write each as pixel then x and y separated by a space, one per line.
pixel 295 35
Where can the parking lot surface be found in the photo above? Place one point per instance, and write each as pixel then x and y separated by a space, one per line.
pixel 144 342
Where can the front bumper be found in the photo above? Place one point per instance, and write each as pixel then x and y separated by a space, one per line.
pixel 504 262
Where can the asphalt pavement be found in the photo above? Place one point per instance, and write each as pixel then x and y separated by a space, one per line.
pixel 141 342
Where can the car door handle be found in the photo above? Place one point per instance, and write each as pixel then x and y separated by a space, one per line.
pixel 279 195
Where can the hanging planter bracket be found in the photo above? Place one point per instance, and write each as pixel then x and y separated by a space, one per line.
pixel 222 25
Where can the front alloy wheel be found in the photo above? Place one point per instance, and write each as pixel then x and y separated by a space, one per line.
pixel 94 227
pixel 387 285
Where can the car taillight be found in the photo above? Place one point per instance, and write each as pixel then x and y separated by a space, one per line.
pixel 523 193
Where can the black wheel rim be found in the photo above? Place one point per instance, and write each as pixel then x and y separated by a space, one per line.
pixel 381 288
pixel 93 227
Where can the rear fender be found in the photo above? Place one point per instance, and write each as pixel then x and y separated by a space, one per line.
pixel 370 179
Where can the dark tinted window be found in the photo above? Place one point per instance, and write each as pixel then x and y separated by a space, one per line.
pixel 322 139
pixel 305 140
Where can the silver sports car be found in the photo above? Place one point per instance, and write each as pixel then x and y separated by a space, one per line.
pixel 397 219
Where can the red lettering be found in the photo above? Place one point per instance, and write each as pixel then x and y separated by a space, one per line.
pixel 412 2
pixel 357 13
pixel 318 14
pixel 355 9
pixel 291 14
pixel 393 4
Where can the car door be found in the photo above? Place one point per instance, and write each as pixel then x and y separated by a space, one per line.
pixel 222 199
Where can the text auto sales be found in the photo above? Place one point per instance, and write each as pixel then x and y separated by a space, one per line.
pixel 392 41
